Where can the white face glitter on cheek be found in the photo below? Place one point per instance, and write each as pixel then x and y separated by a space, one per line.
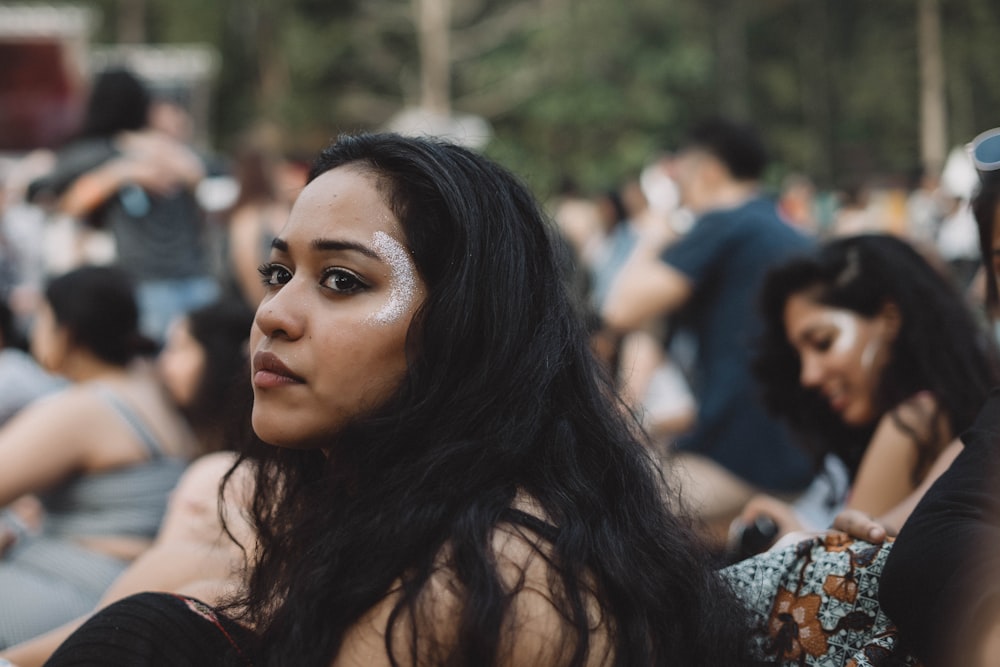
pixel 847 330
pixel 403 280
pixel 868 354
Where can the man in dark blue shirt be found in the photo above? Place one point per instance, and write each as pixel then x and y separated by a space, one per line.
pixel 707 281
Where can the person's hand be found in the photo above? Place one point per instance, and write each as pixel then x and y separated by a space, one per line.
pixel 21 518
pixel 779 511
pixel 860 526
pixel 764 520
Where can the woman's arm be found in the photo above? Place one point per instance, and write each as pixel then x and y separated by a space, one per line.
pixel 191 555
pixel 863 526
pixel 885 476
pixel 155 163
pixel 45 443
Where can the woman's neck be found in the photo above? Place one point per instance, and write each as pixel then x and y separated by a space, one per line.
pixel 85 367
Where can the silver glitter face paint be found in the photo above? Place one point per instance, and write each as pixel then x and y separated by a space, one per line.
pixel 403 280
pixel 846 325
pixel 868 354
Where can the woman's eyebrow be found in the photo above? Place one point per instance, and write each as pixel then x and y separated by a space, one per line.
pixel 328 245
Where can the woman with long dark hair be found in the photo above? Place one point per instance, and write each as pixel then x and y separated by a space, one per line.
pixel 447 476
pixel 871 355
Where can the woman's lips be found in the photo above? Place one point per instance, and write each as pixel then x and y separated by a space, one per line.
pixel 269 371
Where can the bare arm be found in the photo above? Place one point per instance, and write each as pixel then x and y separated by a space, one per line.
pixel 875 529
pixel 152 161
pixel 45 443
pixel 190 556
pixel 177 163
pixel 885 475
pixel 644 289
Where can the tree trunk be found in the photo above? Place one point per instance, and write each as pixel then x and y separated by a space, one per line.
pixel 433 28
pixel 731 63
pixel 933 119
pixel 131 21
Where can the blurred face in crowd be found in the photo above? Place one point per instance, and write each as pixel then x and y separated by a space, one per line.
pixel 181 363
pixel 697 174
pixel 328 341
pixel 49 340
pixel 842 354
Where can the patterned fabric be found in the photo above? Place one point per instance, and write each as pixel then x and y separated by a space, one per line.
pixel 816 604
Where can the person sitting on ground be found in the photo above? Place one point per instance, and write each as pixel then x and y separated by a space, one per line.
pixel 204 367
pixel 446 476
pixel 707 283
pixel 102 454
pixel 871 355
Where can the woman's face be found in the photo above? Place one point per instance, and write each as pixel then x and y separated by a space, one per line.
pixel 181 363
pixel 328 341
pixel 842 354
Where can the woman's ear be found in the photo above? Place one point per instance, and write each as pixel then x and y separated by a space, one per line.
pixel 891 320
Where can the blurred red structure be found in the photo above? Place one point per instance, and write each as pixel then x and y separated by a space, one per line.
pixel 42 82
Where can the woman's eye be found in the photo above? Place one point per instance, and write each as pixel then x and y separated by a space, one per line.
pixel 823 344
pixel 274 274
pixel 343 281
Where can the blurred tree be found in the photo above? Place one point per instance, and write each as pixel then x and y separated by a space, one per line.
pixel 592 89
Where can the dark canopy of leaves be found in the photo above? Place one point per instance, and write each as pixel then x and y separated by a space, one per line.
pixel 590 89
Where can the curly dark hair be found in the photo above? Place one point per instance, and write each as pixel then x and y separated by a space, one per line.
pixel 941 346
pixel 503 396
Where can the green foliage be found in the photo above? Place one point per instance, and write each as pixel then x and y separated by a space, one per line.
pixel 590 89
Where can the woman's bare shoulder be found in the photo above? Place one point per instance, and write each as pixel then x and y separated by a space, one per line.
pixel 534 627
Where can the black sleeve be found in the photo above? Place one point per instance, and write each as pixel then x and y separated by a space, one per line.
pixel 156 630
pixel 944 569
pixel 72 162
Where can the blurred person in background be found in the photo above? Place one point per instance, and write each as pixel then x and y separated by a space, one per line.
pixel 139 182
pixel 101 455
pixel 22 379
pixel 204 367
pixel 268 184
pixel 707 281
pixel 872 356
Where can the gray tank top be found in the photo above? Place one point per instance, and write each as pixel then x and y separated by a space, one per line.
pixel 128 501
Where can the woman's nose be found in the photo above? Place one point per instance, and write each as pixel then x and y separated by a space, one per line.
pixel 811 373
pixel 282 314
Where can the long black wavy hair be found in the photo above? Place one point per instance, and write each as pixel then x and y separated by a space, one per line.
pixel 502 397
pixel 941 346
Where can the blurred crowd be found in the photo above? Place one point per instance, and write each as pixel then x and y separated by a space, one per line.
pixel 797 358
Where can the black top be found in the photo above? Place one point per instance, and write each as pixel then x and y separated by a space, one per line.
pixel 157 630
pixel 941 582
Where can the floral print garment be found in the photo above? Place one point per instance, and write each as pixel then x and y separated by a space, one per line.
pixel 816 604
